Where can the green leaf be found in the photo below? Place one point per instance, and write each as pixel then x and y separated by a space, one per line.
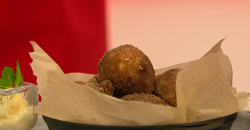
pixel 5 87
pixel 3 83
pixel 18 76
pixel 8 77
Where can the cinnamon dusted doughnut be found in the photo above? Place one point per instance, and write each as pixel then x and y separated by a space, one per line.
pixel 165 86
pixel 129 70
pixel 144 97
pixel 105 86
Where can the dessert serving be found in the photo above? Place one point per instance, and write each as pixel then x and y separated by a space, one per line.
pixel 128 91
pixel 17 100
pixel 127 73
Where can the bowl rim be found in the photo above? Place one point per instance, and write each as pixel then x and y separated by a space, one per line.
pixel 12 91
pixel 216 122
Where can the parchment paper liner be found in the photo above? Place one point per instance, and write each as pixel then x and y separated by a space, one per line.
pixel 204 91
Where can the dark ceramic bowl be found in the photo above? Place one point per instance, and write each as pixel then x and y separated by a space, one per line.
pixel 222 123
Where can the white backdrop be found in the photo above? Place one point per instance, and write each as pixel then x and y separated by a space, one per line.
pixel 171 32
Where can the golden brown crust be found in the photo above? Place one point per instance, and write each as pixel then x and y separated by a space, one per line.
pixel 148 98
pixel 129 69
pixel 165 86
pixel 105 87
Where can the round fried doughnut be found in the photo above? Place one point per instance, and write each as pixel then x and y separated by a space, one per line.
pixel 148 98
pixel 165 86
pixel 105 86
pixel 129 70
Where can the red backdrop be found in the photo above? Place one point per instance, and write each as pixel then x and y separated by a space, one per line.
pixel 72 32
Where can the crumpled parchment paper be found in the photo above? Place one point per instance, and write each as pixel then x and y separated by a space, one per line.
pixel 204 91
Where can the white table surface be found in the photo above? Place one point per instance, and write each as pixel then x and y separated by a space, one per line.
pixel 242 122
pixel 40 124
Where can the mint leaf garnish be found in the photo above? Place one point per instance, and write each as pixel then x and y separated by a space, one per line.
pixel 10 79
pixel 18 76
pixel 8 76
